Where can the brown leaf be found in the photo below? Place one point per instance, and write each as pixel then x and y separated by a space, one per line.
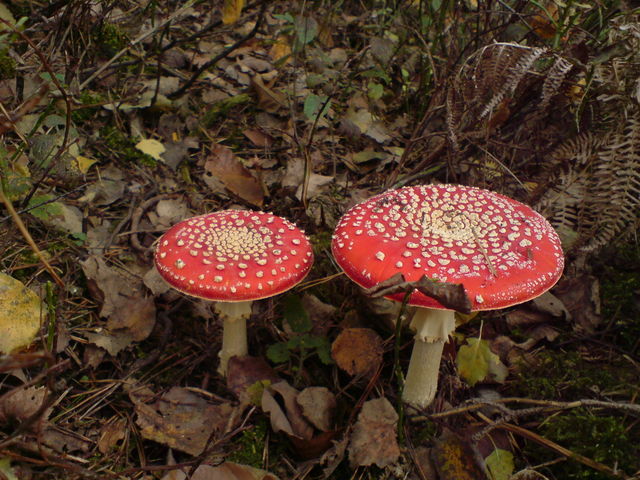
pixel 581 296
pixel 258 138
pixel 243 372
pixel 226 167
pixel 523 317
pixel 358 351
pixel 65 441
pixel 111 433
pixel 268 100
pixel 334 456
pixel 130 316
pixel 288 420
pixel 374 435
pixel 422 460
pixel 135 315
pixel 318 405
pixel 226 471
pixel 549 303
pixel 21 403
pixel 179 419
pixel 454 460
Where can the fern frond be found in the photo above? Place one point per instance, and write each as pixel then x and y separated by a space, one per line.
pixel 552 85
pixel 513 78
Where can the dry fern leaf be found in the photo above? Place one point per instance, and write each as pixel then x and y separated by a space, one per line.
pixel 598 195
pixel 595 191
pixel 556 76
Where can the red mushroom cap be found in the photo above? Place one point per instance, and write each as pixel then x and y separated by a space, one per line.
pixel 233 255
pixel 502 251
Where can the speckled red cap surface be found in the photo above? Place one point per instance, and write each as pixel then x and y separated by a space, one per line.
pixel 501 250
pixel 233 255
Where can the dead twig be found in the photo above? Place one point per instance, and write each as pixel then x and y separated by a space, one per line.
pixel 180 91
pixel 28 238
pixel 450 295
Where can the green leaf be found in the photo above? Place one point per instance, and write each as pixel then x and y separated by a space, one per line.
pixel 286 17
pixel 500 464
pixel 5 463
pixel 47 211
pixel 295 314
pixel 306 30
pixel 324 352
pixel 312 105
pixel 278 352
pixel 476 362
pixel 375 90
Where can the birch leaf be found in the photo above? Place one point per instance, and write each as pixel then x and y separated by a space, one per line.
pixel 20 312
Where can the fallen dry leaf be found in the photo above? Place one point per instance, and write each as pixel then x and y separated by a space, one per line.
pixel 111 433
pixel 243 372
pixel 20 314
pixel 268 100
pixel 130 315
pixel 258 138
pixel 358 351
pixel 374 435
pixel 227 168
pixel 231 10
pixel 226 471
pixel 21 403
pixel 151 147
pixel 281 50
pixel 288 419
pixel 318 405
pixel 581 297
pixel 108 189
pixel 64 440
pixel 179 419
pixel 476 363
pixel 454 459
pixel 549 303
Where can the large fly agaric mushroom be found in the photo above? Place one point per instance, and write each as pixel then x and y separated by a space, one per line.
pixel 233 257
pixel 500 250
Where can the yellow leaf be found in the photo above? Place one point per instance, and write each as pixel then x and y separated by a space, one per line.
pixel 20 311
pixel 83 164
pixel 476 362
pixel 152 148
pixel 231 11
pixel 281 50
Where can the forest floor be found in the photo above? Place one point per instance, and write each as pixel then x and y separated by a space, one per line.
pixel 119 119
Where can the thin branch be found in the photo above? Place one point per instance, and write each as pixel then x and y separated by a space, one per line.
pixel 29 239
pixel 180 91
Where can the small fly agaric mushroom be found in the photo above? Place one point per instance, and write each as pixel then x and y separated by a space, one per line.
pixel 233 257
pixel 500 250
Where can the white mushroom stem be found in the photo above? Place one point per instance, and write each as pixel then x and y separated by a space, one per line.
pixel 234 331
pixel 433 328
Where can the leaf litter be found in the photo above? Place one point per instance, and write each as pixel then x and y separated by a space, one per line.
pixel 239 138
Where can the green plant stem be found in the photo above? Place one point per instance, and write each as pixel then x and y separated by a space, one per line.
pixel 396 364
pixel 51 314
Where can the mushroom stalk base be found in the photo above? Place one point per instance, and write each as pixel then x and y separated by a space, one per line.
pixel 234 331
pixel 433 328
